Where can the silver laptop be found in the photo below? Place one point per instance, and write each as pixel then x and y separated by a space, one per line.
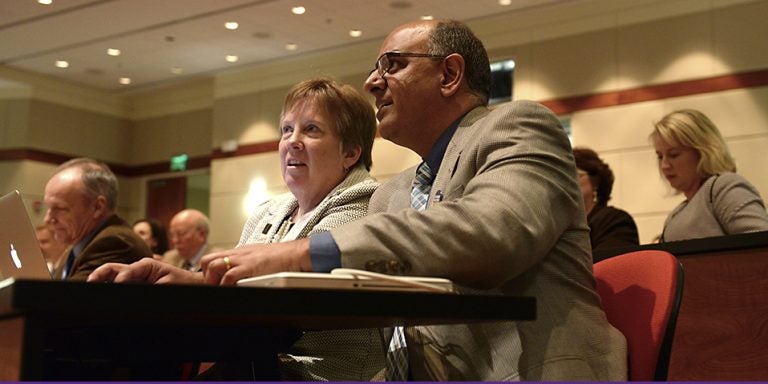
pixel 343 278
pixel 20 254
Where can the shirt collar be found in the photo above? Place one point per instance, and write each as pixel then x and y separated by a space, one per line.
pixel 199 255
pixel 435 156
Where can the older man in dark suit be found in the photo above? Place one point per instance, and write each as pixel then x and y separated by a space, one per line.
pixel 82 198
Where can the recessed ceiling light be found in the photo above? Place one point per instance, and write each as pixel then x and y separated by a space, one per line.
pixel 177 70
pixel 231 58
pixel 45 2
pixel 427 17
pixel 231 25
pixel 62 63
pixel 505 2
pixel 113 52
pixel 355 33
pixel 298 10
pixel 291 47
pixel 125 80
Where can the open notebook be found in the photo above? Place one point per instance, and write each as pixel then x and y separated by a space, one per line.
pixel 345 278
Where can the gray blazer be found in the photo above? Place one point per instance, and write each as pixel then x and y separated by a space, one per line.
pixel 511 221
pixel 725 204
pixel 335 355
pixel 347 202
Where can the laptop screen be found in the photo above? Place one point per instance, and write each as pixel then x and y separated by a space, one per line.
pixel 20 254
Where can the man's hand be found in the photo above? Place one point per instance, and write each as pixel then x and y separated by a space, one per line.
pixel 146 270
pixel 250 260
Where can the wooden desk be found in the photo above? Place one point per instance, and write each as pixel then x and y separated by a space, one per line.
pixel 43 320
pixel 722 327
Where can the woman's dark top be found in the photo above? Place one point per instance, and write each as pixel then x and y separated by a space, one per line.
pixel 611 228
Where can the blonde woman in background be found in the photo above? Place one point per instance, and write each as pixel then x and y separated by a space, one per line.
pixel 694 159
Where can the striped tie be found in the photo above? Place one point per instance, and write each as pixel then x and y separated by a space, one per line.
pixel 397 358
pixel 422 183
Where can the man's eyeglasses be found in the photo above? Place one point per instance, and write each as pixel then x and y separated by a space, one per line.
pixel 384 62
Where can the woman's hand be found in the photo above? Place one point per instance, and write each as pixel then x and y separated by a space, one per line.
pixel 250 260
pixel 146 270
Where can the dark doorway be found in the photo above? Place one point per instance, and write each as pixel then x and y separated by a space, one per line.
pixel 166 197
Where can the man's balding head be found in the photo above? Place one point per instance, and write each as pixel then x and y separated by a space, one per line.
pixel 80 196
pixel 188 232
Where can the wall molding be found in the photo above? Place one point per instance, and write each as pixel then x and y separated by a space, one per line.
pixel 246 149
pixel 568 105
pixel 561 106
pixel 197 162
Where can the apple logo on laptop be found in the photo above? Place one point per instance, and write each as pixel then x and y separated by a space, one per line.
pixel 15 257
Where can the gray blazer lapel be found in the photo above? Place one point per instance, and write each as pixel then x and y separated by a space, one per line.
pixel 463 134
pixel 401 198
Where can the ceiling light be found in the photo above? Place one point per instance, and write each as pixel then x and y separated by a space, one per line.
pixel 232 58
pixel 291 47
pixel 177 70
pixel 505 2
pixel 113 52
pixel 62 63
pixel 298 10
pixel 125 80
pixel 45 2
pixel 231 25
pixel 355 33
pixel 427 17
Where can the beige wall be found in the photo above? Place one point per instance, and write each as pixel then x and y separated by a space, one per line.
pixel 14 116
pixel 577 48
pixel 63 129
pixel 156 139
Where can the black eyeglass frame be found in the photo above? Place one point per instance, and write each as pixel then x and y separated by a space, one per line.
pixel 383 64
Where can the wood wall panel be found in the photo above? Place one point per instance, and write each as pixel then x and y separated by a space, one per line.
pixel 722 328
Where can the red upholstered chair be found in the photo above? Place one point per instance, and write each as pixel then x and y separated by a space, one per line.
pixel 641 293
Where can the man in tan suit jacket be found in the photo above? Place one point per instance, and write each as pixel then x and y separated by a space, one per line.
pixel 81 198
pixel 504 215
pixel 188 233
